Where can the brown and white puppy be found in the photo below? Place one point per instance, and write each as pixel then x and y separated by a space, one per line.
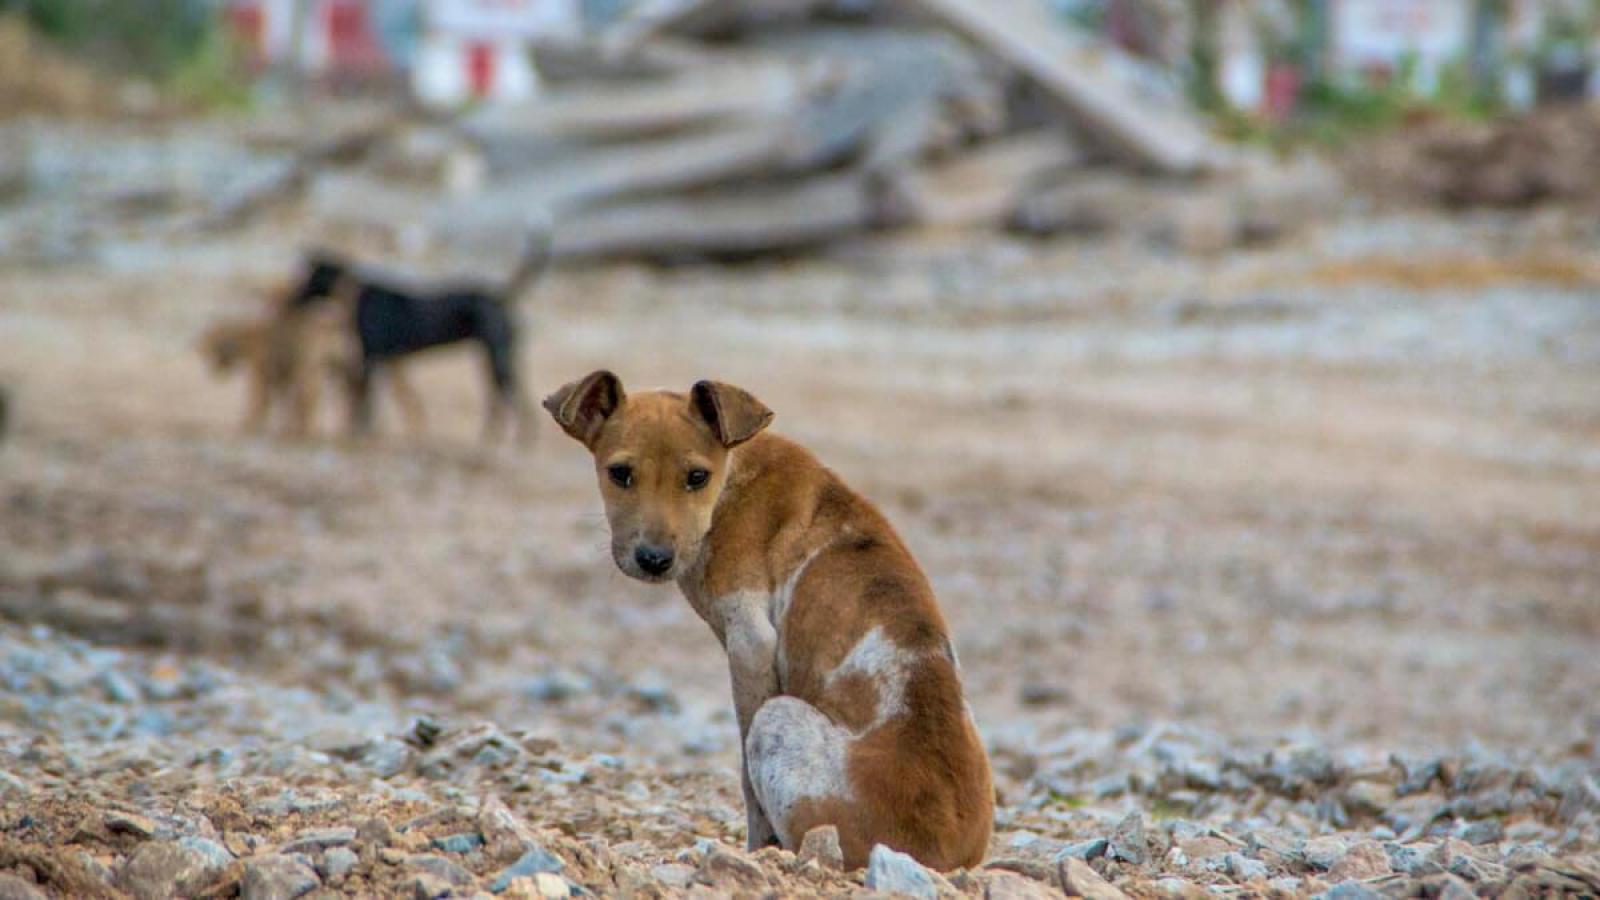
pixel 845 682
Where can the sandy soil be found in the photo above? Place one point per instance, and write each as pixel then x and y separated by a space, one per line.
pixel 1342 494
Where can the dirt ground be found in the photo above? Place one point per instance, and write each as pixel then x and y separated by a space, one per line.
pixel 1291 554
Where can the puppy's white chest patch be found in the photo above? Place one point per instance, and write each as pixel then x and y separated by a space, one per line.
pixel 884 664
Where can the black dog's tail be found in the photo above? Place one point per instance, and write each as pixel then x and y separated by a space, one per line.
pixel 535 259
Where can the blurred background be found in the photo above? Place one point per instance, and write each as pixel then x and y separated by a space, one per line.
pixel 1233 369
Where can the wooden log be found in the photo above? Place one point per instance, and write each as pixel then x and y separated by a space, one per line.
pixel 1092 79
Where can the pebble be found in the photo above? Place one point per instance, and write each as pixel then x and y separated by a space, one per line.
pixel 375 831
pixel 1085 850
pixel 426 886
pixel 438 866
pixel 277 877
pixel 1128 842
pixel 1079 880
pixel 1243 868
pixel 336 863
pixel 128 823
pixel 387 757
pixel 158 870
pixel 1323 852
pixel 895 872
pixel 1366 859
pixel 313 840
pixel 822 844
pixel 723 865
pixel 463 842
pixel 14 888
pixel 673 875
pixel 215 855
pixel 1011 886
pixel 504 834
pixel 1350 890
pixel 529 864
pixel 542 886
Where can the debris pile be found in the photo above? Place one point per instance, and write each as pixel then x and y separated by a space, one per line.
pixel 1547 156
pixel 712 129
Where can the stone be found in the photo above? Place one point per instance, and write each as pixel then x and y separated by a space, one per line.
pixel 1350 890
pixel 1011 886
pixel 1369 797
pixel 505 836
pixel 1128 842
pixel 427 886
pixel 388 757
pixel 1365 860
pixel 1201 849
pixel 528 865
pixel 158 870
pixel 14 888
pixel 128 823
pixel 313 840
pixel 723 865
pixel 216 856
pixel 1243 868
pixel 1079 880
pixel 822 844
pixel 1084 850
pixel 1412 860
pixel 277 877
pixel 1448 887
pixel 1323 852
pixel 392 856
pixel 673 875
pixel 895 872
pixel 336 863
pixel 376 832
pixel 439 867
pixel 464 842
pixel 543 886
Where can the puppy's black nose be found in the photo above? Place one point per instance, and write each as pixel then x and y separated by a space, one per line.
pixel 653 560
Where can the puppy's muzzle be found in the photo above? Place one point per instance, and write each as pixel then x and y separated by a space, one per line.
pixel 653 561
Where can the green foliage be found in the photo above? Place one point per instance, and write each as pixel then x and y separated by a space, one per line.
pixel 176 44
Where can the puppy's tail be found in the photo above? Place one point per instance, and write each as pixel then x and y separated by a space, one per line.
pixel 535 259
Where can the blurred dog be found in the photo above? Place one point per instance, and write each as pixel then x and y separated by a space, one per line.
pixel 287 353
pixel 394 321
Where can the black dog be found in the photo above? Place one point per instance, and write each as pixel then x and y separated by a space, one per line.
pixel 392 321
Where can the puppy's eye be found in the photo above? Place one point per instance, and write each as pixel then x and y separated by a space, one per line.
pixel 696 479
pixel 621 475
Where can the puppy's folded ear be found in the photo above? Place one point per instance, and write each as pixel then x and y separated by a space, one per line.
pixel 583 406
pixel 734 415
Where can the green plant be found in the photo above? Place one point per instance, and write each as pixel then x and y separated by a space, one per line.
pixel 176 44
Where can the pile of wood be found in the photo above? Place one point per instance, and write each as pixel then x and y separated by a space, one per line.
pixel 695 128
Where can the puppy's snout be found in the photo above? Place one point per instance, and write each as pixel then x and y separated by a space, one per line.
pixel 653 560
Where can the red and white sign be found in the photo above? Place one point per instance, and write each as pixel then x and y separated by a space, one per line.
pixel 495 19
pixel 1376 37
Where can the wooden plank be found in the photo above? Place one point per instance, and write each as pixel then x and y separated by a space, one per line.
pixel 1092 79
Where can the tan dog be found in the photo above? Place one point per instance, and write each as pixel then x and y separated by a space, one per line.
pixel 286 355
pixel 845 683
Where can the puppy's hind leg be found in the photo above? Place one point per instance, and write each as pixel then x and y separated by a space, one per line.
pixel 797 760
pixel 410 401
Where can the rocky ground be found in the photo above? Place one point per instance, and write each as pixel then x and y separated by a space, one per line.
pixel 1274 574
